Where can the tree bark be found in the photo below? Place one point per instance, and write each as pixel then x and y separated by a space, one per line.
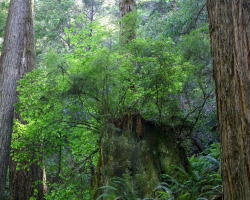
pixel 10 63
pixel 23 181
pixel 18 57
pixel 230 47
pixel 91 18
pixel 91 12
pixel 128 23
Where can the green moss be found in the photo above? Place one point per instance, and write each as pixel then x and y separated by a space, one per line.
pixel 141 162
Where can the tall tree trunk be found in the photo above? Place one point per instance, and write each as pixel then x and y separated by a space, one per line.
pixel 22 181
pixel 10 63
pixel 91 12
pixel 128 24
pixel 91 18
pixel 230 46
pixel 91 15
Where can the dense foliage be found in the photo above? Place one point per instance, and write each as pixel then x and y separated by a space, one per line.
pixel 87 78
pixel 3 17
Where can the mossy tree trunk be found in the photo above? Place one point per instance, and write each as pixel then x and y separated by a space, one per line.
pixel 230 46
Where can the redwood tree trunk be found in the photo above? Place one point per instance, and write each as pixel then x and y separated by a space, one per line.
pixel 10 63
pixel 128 24
pixel 18 57
pixel 230 46
pixel 22 181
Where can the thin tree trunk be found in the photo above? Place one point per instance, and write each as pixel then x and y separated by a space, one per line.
pixel 91 18
pixel 230 46
pixel 10 63
pixel 174 2
pixel 45 188
pixel 91 13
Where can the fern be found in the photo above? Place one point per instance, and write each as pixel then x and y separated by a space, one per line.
pixel 118 188
pixel 201 181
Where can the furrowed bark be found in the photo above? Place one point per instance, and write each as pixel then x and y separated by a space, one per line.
pixel 10 63
pixel 24 181
pixel 230 47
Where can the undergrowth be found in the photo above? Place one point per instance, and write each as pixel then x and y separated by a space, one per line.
pixel 201 182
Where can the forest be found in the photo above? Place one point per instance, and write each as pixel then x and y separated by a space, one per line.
pixel 124 100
